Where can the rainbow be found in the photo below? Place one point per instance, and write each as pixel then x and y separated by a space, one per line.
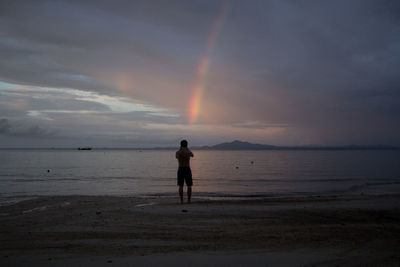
pixel 203 66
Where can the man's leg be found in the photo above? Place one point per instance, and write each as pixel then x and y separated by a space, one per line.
pixel 189 193
pixel 181 193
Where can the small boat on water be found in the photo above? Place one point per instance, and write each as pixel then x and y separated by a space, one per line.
pixel 84 148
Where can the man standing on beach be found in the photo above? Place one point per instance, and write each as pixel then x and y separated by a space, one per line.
pixel 184 172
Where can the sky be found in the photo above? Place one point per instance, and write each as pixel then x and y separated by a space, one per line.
pixel 149 73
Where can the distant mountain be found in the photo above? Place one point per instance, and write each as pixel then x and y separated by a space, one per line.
pixel 240 145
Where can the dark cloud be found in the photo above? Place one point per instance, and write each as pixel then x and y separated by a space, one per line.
pixel 87 39
pixel 330 67
pixel 4 126
pixel 20 130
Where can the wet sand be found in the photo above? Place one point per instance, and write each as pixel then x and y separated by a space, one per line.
pixel 125 231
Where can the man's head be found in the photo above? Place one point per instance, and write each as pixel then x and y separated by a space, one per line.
pixel 184 143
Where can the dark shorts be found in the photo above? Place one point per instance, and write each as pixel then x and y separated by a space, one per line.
pixel 185 174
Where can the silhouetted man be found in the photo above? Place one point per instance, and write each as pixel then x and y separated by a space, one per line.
pixel 184 173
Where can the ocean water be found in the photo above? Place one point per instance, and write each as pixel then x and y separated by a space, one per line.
pixel 230 174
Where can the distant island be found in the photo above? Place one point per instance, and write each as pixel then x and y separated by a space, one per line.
pixel 240 145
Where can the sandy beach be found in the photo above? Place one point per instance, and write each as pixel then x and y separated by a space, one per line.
pixel 127 231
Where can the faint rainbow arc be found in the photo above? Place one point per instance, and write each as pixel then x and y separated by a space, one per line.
pixel 203 66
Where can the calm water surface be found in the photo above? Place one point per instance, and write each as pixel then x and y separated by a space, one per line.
pixel 25 173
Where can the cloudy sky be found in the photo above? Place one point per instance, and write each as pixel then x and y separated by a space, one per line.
pixel 148 73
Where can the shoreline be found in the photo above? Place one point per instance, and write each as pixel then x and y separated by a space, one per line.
pixel 386 189
pixel 338 230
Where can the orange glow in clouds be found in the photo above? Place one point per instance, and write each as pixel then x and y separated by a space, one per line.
pixel 125 84
pixel 203 67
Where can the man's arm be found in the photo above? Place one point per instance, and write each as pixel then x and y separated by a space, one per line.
pixel 190 153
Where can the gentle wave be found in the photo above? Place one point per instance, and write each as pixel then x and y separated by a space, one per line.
pixel 359 187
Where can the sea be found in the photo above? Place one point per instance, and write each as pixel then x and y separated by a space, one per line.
pixel 217 174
